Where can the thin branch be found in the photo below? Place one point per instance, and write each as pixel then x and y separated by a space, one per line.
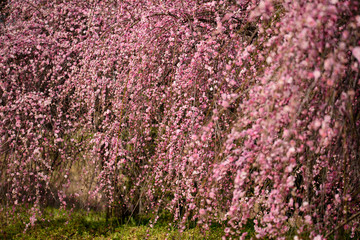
pixel 165 14
pixel 341 225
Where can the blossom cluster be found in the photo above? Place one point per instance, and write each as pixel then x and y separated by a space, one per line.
pixel 217 111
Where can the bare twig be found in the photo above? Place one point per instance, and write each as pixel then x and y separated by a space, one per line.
pixel 341 225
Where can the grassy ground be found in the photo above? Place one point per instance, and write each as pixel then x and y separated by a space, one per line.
pixel 59 224
pixel 79 224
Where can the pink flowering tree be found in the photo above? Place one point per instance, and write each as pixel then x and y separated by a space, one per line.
pixel 217 111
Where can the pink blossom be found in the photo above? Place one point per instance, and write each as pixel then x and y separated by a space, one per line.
pixel 356 53
pixel 318 237
pixel 211 110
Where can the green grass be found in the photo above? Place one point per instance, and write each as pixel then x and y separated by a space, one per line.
pixel 80 224
pixel 61 224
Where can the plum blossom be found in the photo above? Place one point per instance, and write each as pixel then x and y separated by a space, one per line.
pixel 356 53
